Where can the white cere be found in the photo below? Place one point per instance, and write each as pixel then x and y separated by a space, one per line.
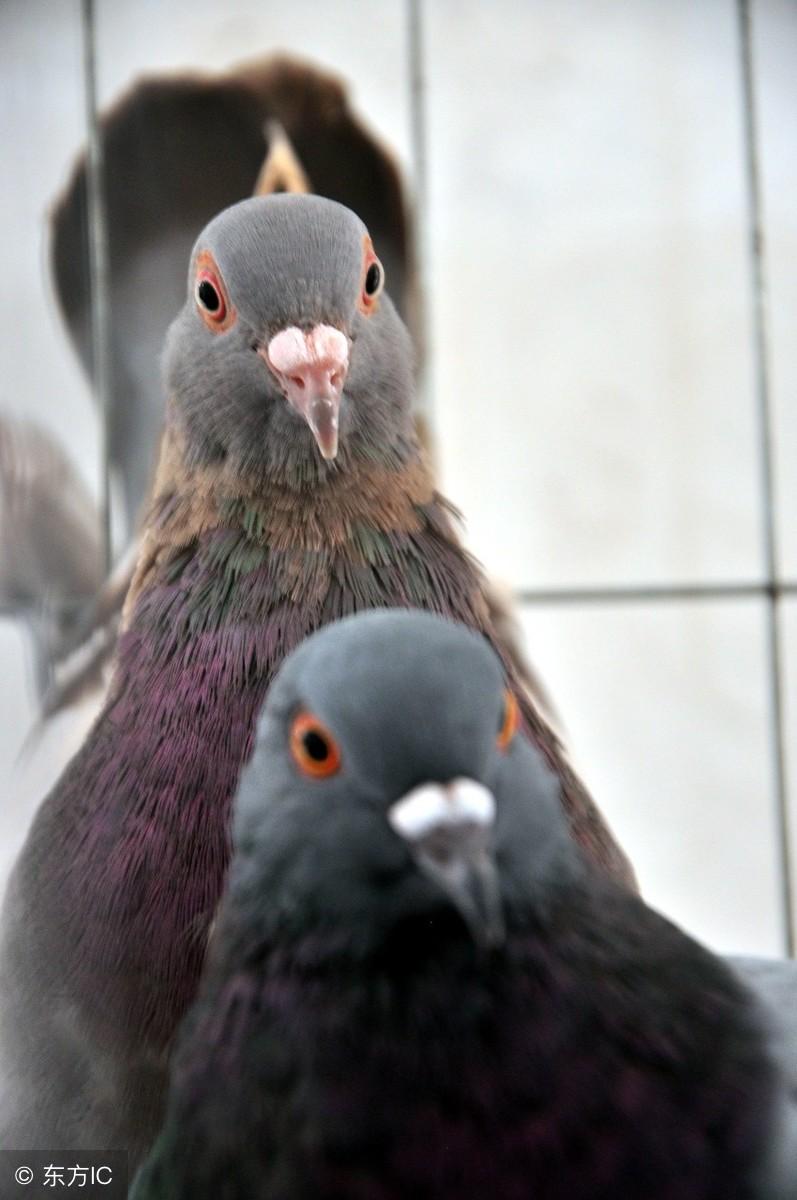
pixel 433 805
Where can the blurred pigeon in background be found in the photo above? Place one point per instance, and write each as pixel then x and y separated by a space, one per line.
pixel 51 565
pixel 418 987
pixel 775 982
pixel 291 491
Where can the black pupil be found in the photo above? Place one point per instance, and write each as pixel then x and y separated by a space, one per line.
pixel 208 296
pixel 316 746
pixel 372 279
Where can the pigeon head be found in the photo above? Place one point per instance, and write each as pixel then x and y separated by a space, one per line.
pixel 391 790
pixel 288 356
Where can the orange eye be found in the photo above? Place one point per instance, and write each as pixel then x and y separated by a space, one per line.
pixel 373 280
pixel 313 747
pixel 510 720
pixel 210 296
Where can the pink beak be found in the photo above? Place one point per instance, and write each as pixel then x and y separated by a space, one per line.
pixel 311 369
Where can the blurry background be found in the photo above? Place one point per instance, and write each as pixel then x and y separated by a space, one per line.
pixel 601 390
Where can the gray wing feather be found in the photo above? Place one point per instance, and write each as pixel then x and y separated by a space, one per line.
pixel 774 982
pixel 50 554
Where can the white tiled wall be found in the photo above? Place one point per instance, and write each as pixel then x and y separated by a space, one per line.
pixel 665 705
pixel 775 32
pixel 591 317
pixel 789 626
pixel 591 364
pixel 42 115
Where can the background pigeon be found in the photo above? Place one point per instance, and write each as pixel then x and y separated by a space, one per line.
pixel 419 988
pixel 51 564
pixel 775 981
pixel 290 492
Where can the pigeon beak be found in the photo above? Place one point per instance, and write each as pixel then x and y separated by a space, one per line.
pixel 311 370
pixel 449 830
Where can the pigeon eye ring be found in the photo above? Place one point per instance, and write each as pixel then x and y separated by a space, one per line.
pixel 210 294
pixel 313 748
pixel 510 720
pixel 373 280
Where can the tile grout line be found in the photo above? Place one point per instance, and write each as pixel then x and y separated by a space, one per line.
pixel 98 269
pixel 420 242
pixel 646 593
pixel 763 407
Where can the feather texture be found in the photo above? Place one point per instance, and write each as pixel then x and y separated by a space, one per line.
pixel 229 581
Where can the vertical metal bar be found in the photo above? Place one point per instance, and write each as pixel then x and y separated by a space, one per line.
pixel 768 501
pixel 417 81
pixel 98 268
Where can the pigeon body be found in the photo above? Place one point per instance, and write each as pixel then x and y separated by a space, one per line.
pixel 418 986
pixel 290 493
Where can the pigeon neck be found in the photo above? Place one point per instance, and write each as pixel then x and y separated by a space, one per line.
pixel 190 502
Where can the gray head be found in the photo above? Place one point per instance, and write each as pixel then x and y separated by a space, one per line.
pixel 288 358
pixel 389 785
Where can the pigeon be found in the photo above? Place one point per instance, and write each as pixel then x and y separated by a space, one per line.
pixel 51 563
pixel 208 140
pixel 290 492
pixel 418 986
pixel 775 983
